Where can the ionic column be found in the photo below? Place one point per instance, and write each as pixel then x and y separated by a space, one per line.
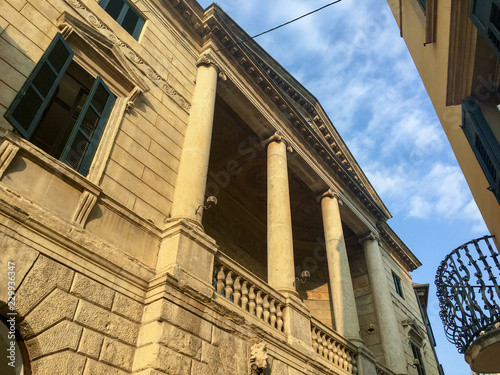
pixel 384 309
pixel 343 301
pixel 193 167
pixel 280 262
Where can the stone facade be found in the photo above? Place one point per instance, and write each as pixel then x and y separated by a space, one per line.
pixel 118 263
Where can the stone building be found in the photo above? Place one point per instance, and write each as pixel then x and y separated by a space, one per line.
pixel 121 122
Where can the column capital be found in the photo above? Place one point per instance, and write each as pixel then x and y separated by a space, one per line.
pixel 277 137
pixel 330 193
pixel 369 236
pixel 207 59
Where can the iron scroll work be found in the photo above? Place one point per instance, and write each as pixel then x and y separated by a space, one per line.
pixel 468 291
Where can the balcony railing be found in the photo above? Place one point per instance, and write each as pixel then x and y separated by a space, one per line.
pixel 468 291
pixel 251 294
pixel 331 346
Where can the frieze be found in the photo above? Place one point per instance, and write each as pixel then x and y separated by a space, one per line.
pixel 139 63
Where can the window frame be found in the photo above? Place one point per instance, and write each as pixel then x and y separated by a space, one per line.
pixel 121 16
pixel 89 153
pixel 484 25
pixel 417 354
pixel 28 84
pixel 397 285
pixel 483 142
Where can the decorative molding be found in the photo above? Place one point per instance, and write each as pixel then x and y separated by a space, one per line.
pixel 369 236
pixel 330 193
pixel 414 332
pixel 8 151
pixel 430 21
pixel 208 60
pixel 277 137
pixel 132 56
pixel 85 206
pixel 134 94
pixel 461 55
pixel 398 247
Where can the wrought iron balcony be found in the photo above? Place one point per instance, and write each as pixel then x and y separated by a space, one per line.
pixel 468 291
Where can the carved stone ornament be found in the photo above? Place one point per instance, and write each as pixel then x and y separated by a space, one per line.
pixel 369 236
pixel 278 137
pixel 330 193
pixel 207 59
pixel 258 359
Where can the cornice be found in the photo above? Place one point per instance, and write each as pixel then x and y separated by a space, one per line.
pixel 398 247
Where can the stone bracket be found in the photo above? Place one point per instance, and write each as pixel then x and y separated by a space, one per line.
pixel 8 151
pixel 85 206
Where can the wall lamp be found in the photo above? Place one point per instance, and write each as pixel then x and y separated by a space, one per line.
pixel 370 329
pixel 415 363
pixel 304 276
pixel 209 203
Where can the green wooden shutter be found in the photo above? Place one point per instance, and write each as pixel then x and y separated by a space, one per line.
pixel 485 15
pixel 86 134
pixel 483 142
pixel 30 102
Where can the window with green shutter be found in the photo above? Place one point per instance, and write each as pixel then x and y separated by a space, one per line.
pixel 123 13
pixel 483 142
pixel 61 108
pixel 485 14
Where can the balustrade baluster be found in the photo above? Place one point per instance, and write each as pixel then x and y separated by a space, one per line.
pixel 279 318
pixel 342 357
pixel 335 354
pixel 325 346
pixel 320 344
pixel 251 298
pixel 258 301
pixel 314 336
pixel 330 350
pixel 272 310
pixel 220 280
pixel 265 305
pixel 349 364
pixel 228 290
pixel 237 291
pixel 354 365
pixel 244 295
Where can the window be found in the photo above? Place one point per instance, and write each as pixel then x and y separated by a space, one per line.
pixel 125 15
pixel 485 14
pixel 61 108
pixel 419 363
pixel 423 4
pixel 483 142
pixel 397 284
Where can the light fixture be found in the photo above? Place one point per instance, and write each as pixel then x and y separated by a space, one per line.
pixel 370 329
pixel 209 203
pixel 304 276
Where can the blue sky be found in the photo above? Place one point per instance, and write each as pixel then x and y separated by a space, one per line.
pixel 351 57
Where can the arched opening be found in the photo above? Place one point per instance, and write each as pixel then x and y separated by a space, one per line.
pixel 15 360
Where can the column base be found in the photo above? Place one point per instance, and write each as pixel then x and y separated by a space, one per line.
pixel 186 255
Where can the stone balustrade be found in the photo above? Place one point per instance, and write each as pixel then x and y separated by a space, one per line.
pixel 331 346
pixel 248 292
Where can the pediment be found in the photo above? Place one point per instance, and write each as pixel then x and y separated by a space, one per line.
pixel 99 47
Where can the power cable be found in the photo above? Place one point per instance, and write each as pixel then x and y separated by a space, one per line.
pixel 283 24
